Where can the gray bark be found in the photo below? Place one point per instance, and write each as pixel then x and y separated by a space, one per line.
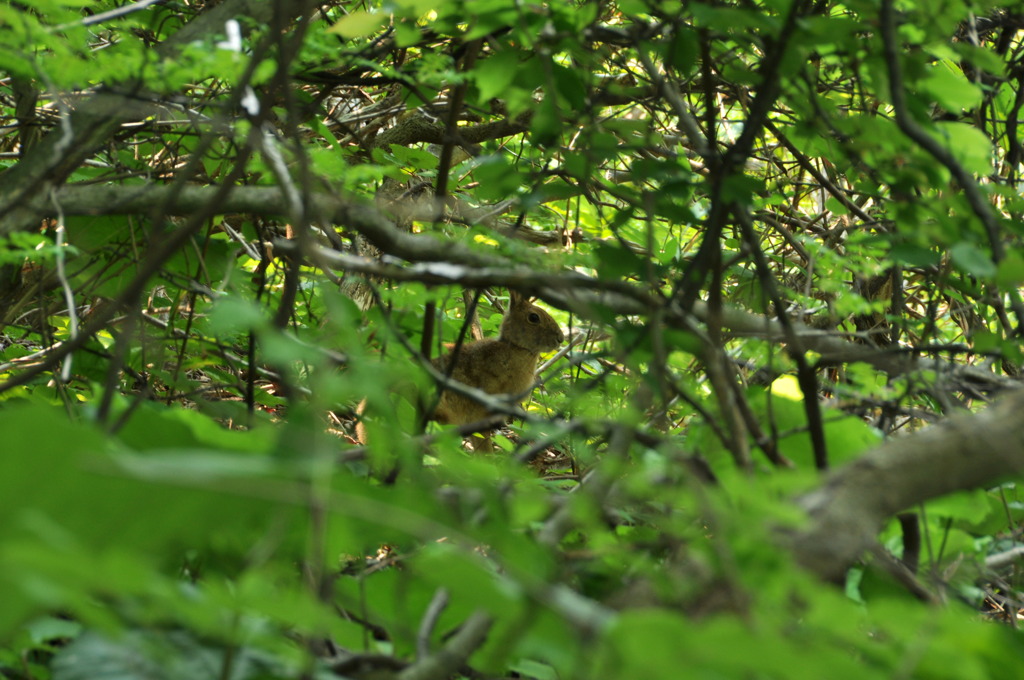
pixel 964 451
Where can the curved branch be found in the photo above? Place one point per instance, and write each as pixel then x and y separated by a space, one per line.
pixel 965 451
pixel 417 128
pixel 453 655
pixel 906 123
pixel 573 291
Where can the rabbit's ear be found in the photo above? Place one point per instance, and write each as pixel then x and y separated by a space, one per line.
pixel 515 297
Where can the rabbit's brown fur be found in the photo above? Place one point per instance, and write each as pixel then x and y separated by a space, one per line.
pixel 505 365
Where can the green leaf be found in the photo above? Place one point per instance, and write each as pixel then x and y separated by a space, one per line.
pixel 416 8
pixel 616 261
pixel 158 655
pixel 359 24
pixel 970 146
pixel 234 314
pixel 546 125
pixel 973 260
pixel 682 51
pixel 496 74
pixel 971 506
pixel 914 255
pixel 155 426
pixel 570 86
pixel 417 159
pixel 50 628
pixel 498 179
pixel 1010 271
pixel 946 84
pixel 490 16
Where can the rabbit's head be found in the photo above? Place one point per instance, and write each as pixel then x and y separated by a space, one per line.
pixel 528 326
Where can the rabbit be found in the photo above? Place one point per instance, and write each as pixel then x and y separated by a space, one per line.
pixel 505 365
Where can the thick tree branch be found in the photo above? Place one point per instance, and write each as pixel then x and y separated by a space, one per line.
pixel 416 129
pixel 965 451
pixel 572 291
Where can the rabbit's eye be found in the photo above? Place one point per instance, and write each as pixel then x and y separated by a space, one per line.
pixel 534 317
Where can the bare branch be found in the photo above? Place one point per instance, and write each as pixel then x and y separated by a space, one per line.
pixel 965 451
pixel 453 655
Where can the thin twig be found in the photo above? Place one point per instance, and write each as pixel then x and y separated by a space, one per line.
pixel 453 655
pixel 434 610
